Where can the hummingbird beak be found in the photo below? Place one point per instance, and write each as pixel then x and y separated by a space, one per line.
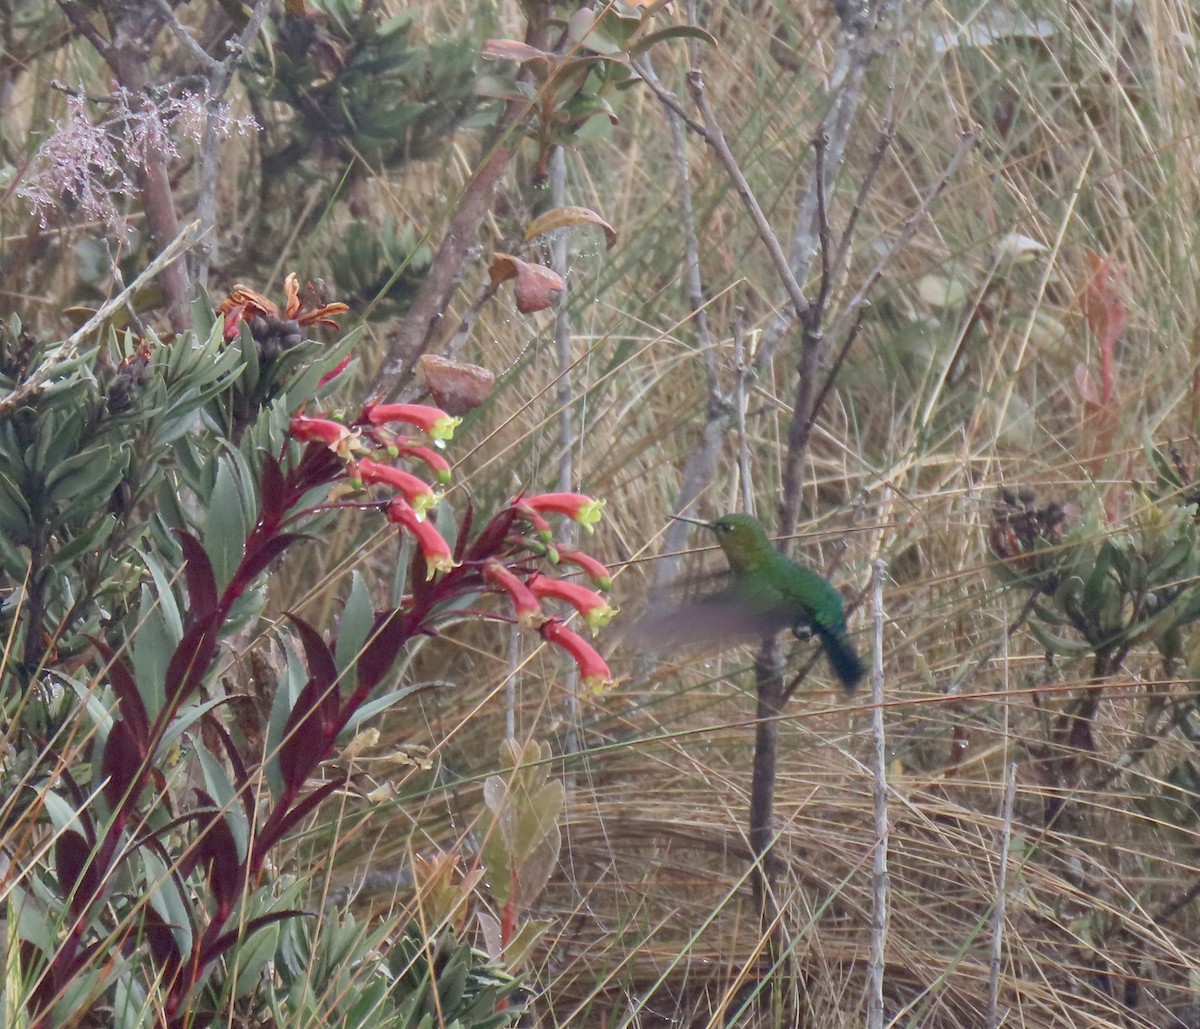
pixel 692 521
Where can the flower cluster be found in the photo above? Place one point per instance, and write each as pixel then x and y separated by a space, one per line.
pixel 276 330
pixel 514 555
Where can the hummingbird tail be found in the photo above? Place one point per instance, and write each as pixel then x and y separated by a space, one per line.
pixel 843 657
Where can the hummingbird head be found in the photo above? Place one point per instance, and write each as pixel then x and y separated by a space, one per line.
pixel 743 539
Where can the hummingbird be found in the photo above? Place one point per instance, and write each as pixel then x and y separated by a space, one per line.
pixel 770 592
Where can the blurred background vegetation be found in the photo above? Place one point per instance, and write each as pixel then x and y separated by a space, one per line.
pixel 1012 432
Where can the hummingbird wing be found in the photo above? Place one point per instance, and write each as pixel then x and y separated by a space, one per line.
pixel 721 619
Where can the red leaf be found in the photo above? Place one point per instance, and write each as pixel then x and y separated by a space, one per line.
pixel 274 492
pixel 300 812
pixel 122 764
pixel 223 942
pixel 307 735
pixel 464 531
pixel 198 573
pixel 257 560
pixel 383 646
pixel 190 661
pixel 218 853
pixel 492 536
pixel 158 934
pixel 76 873
pixel 321 666
pixel 133 711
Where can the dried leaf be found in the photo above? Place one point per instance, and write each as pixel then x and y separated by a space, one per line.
pixel 565 217
pixel 456 387
pixel 537 288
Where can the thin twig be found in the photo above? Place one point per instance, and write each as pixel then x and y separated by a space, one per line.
pixel 714 136
pixel 907 230
pixel 1006 823
pixel 743 372
pixel 220 75
pixel 83 25
pixel 879 914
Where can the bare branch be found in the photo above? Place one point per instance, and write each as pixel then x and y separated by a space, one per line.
pixel 880 878
pixel 77 16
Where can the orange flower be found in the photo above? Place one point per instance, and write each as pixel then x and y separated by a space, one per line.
pixel 243 303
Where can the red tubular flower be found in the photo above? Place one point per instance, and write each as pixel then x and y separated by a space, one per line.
pixel 430 457
pixel 525 603
pixel 596 611
pixel 433 420
pixel 416 491
pixel 598 573
pixel 438 555
pixel 540 525
pixel 592 667
pixel 333 434
pixel 585 510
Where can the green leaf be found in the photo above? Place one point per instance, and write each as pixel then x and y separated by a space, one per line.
pixel 380 704
pixel 84 472
pixel 224 793
pixel 14 510
pixel 186 718
pixel 32 924
pixel 91 538
pixel 1096 591
pixel 250 958
pixel 286 694
pixel 672 32
pixel 1059 645
pixel 167 605
pixel 204 317
pixel 152 648
pixel 251 370
pixel 357 619
pixel 163 894
pixel 15 562
pixel 225 527
pixel 131 1008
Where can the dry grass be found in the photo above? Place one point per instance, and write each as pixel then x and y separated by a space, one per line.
pixel 1087 144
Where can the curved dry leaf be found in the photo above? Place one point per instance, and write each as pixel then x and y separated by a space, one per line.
pixel 456 388
pixel 537 288
pixel 564 217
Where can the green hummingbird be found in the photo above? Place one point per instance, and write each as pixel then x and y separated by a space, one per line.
pixel 770 592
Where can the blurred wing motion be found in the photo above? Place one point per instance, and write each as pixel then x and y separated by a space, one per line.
pixel 719 620
pixel 730 617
